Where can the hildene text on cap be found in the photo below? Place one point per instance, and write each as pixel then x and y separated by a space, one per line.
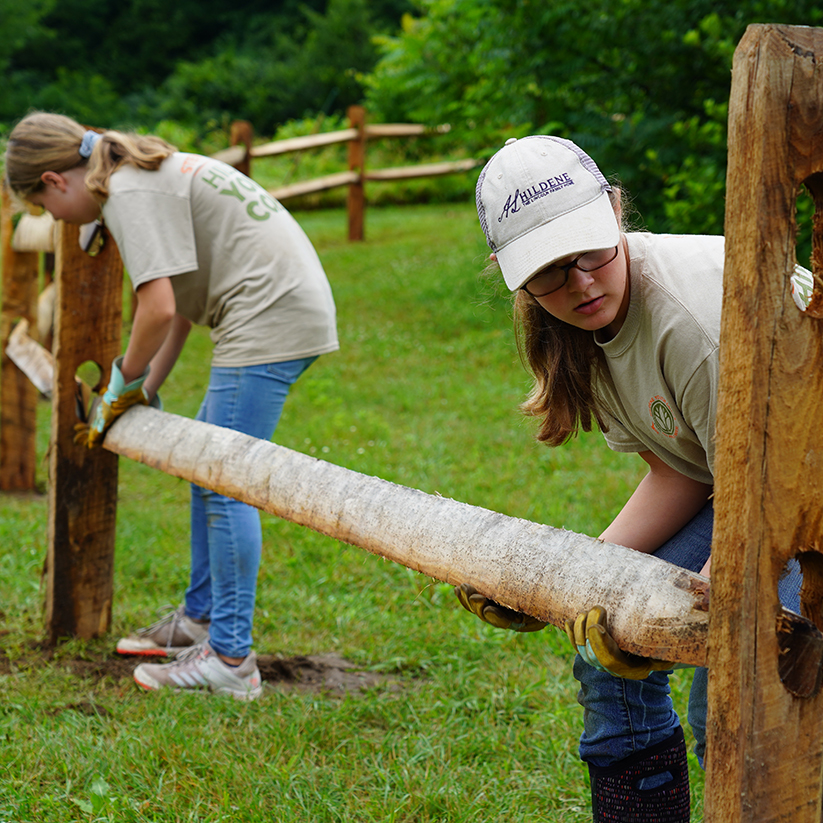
pixel 540 199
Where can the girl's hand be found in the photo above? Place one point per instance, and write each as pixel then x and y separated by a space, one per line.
pixel 118 397
pixel 596 646
pixel 493 613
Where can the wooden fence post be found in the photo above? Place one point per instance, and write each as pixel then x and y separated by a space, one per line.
pixel 82 482
pixel 357 162
pixel 18 397
pixel 765 734
pixel 242 134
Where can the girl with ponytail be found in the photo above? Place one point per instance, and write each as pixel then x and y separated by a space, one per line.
pixel 204 244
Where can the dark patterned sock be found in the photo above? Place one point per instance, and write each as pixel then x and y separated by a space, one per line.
pixel 621 792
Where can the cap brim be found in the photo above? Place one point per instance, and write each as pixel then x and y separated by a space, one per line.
pixel 590 227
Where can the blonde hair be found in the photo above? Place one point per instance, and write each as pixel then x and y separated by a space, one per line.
pixel 43 142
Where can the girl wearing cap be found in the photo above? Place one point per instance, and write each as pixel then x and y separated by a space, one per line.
pixel 620 330
pixel 202 244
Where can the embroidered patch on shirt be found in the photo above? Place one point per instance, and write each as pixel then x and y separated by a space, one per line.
pixel 663 420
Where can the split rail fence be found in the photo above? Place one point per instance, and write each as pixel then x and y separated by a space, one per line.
pixel 765 724
pixel 242 151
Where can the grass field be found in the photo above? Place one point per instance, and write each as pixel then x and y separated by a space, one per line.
pixel 466 722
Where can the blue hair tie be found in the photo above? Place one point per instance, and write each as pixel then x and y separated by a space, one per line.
pixel 88 143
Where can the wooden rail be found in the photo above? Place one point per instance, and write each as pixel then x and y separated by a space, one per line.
pixel 357 137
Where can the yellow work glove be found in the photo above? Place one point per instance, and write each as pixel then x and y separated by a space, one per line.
pixel 495 614
pixel 596 646
pixel 116 399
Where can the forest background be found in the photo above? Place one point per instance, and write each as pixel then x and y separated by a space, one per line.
pixel 642 85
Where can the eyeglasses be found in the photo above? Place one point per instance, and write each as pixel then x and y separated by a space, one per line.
pixel 555 277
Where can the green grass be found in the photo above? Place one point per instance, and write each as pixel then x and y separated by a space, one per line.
pixel 473 723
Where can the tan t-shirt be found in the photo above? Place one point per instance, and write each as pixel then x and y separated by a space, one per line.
pixel 663 362
pixel 238 261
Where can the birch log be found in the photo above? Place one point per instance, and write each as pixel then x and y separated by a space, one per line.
pixel 655 609
pixel 35 361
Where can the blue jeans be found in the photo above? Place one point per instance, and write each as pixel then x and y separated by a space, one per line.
pixel 622 717
pixel 226 537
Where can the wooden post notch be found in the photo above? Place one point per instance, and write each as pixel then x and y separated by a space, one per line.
pixel 765 733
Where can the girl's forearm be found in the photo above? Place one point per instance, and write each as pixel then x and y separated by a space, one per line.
pixel 662 504
pixel 152 321
pixel 163 362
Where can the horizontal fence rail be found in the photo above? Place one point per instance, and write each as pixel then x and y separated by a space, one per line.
pixel 241 154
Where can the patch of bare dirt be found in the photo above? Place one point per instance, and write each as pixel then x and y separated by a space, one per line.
pixel 327 673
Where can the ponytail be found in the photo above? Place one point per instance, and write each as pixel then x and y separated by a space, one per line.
pixel 43 142
pixel 116 149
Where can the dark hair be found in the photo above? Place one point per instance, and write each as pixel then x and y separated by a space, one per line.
pixel 565 362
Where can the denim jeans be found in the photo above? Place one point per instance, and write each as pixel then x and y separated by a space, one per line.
pixel 226 537
pixel 622 717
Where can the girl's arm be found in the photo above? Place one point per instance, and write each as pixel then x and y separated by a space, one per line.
pixel 153 318
pixel 663 502
pixel 167 355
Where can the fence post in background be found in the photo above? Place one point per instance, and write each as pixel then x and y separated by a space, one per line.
pixel 18 397
pixel 242 134
pixel 357 161
pixel 82 481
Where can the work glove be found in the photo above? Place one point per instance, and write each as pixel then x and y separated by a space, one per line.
pixel 596 646
pixel 495 614
pixel 116 399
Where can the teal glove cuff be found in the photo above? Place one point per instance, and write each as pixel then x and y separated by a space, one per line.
pixel 117 386
pixel 587 653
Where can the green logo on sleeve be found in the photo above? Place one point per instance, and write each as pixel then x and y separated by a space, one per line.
pixel 663 420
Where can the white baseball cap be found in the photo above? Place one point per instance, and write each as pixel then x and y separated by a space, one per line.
pixel 540 199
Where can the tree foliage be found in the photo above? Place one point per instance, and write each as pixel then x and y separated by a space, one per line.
pixel 140 61
pixel 643 85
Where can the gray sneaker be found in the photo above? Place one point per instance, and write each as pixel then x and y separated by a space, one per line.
pixel 200 667
pixel 171 634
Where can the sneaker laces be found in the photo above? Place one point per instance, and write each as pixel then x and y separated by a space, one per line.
pixel 184 655
pixel 174 617
pixel 168 617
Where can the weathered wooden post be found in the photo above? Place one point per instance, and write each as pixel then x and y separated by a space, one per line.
pixel 18 397
pixel 765 741
pixel 356 202
pixel 83 482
